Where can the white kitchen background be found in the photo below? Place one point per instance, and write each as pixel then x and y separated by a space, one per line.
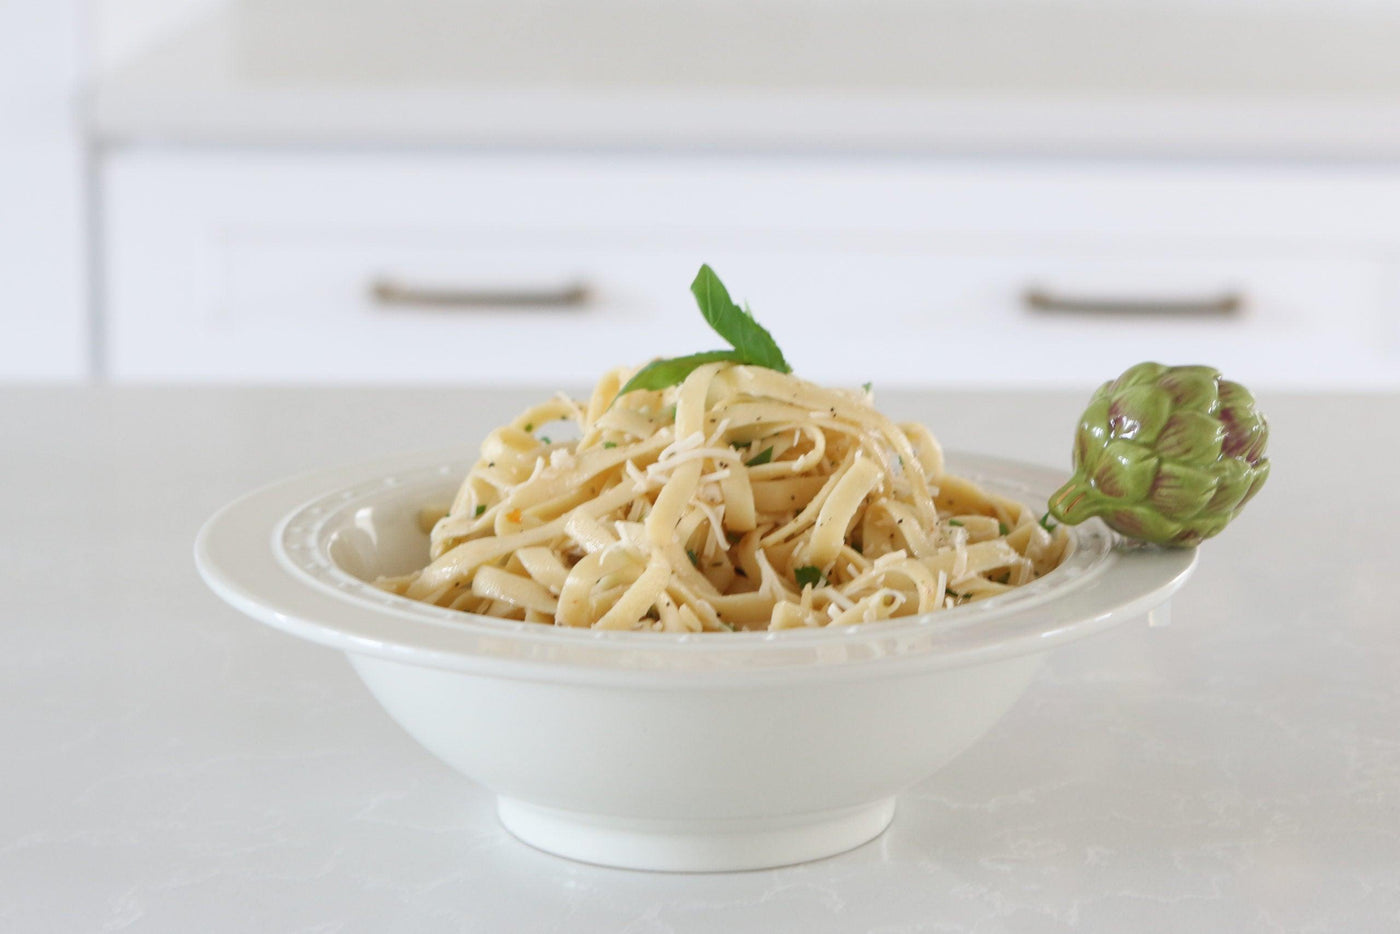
pixel 950 193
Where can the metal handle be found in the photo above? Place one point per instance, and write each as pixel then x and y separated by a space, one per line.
pixel 386 291
pixel 1218 306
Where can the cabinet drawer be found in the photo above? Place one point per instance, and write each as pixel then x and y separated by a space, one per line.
pixel 274 273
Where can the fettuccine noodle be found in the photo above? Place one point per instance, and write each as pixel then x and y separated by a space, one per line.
pixel 743 498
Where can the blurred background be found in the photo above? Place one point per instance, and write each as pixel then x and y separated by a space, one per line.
pixel 1004 193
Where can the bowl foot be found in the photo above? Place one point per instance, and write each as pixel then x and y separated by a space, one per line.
pixel 695 845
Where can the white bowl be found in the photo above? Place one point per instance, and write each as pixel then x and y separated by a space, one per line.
pixel 713 751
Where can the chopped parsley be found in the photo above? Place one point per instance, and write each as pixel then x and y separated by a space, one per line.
pixel 740 445
pixel 609 444
pixel 760 458
pixel 481 508
pixel 694 558
pixel 1046 524
pixel 529 426
pixel 809 575
pixel 955 522
pixel 544 439
pixel 1001 528
pixel 866 386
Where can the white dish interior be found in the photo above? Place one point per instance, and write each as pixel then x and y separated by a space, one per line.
pixel 651 750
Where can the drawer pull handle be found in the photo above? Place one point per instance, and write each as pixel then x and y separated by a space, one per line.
pixel 390 292
pixel 1219 306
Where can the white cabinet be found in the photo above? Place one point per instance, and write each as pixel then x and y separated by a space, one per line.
pixel 277 266
pixel 43 288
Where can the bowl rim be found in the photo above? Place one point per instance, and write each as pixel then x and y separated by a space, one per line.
pixel 267 554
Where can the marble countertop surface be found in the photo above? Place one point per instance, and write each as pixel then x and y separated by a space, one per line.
pixel 169 765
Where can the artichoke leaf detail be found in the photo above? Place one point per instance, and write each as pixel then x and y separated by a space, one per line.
pixel 1166 454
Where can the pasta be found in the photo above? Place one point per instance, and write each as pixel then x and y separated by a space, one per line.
pixel 741 498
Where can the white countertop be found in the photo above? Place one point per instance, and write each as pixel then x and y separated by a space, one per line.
pixel 168 765
pixel 1031 78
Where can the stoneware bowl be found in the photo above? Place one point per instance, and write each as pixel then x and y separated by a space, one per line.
pixel 715 751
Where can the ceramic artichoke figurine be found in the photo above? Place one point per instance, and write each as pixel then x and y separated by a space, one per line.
pixel 1166 454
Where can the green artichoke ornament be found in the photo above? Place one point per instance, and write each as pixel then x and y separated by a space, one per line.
pixel 1166 454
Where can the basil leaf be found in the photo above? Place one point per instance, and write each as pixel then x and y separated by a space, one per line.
pixel 808 574
pixel 760 458
pixel 755 346
pixel 752 344
pixel 658 374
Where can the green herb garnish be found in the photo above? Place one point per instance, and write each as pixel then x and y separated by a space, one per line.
pixel 1001 528
pixel 749 339
pixel 544 439
pixel 762 457
pixel 866 386
pixel 955 522
pixel 481 508
pixel 740 445
pixel 694 558
pixel 752 343
pixel 1046 524
pixel 809 575
pixel 609 444
pixel 658 374
pixel 529 427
